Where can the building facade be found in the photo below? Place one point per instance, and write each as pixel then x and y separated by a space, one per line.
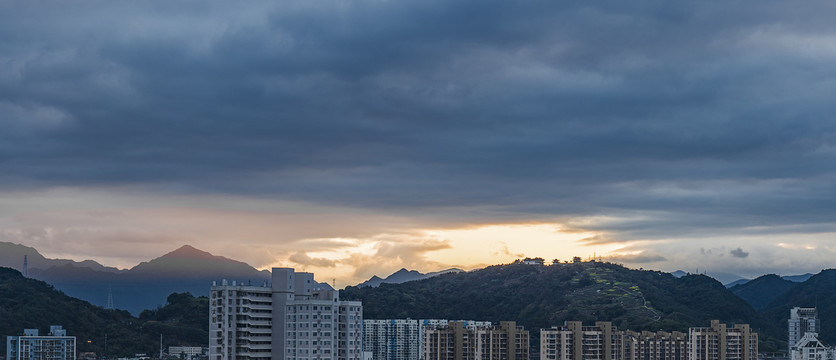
pixel 809 347
pixel 801 321
pixel 460 340
pixel 573 341
pixel 719 342
pixel 394 339
pixel 658 345
pixel 31 346
pixel 294 318
pixel 603 341
pixel 186 352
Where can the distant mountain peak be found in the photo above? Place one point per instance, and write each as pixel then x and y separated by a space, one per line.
pixel 195 262
pixel 188 251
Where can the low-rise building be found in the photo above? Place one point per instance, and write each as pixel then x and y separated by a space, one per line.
pixel 187 352
pixel 55 346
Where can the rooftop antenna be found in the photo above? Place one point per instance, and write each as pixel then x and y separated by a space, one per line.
pixel 26 266
pixel 109 305
pixel 334 282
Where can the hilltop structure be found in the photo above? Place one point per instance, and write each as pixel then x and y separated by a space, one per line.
pixel 55 346
pixel 294 318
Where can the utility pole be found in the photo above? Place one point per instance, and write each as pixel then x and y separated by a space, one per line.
pixel 161 345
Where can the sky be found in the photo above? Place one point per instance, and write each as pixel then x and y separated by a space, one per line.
pixel 351 138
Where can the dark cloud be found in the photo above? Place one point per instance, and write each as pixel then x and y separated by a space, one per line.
pixel 677 118
pixel 739 253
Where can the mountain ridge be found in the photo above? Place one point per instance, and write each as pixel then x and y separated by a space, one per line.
pixel 146 285
pixel 543 296
pixel 403 275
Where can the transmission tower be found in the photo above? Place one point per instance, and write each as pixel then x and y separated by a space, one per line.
pixel 26 266
pixel 109 305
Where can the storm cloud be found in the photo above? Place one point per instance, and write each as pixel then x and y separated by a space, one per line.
pixel 659 119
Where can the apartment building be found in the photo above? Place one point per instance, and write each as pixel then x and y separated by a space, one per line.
pixel 55 346
pixel 658 345
pixel 603 341
pixel 574 341
pixel 292 318
pixel 460 340
pixel 394 339
pixel 719 342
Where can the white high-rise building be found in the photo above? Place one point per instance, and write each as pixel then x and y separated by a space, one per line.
pixel 802 321
pixel 294 318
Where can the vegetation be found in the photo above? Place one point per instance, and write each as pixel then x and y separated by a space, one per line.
pixel 543 296
pixel 818 291
pixel 28 303
pixel 761 291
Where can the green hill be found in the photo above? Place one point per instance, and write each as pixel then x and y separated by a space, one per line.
pixel 543 296
pixel 761 291
pixel 29 303
pixel 817 291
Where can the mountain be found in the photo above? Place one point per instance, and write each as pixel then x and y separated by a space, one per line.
pixel 737 282
pixel 147 285
pixel 793 278
pixel 762 290
pixel 818 291
pixel 400 276
pixel 28 303
pixel 724 278
pixel 797 278
pixel 404 275
pixel 11 256
pixel 189 262
pixel 442 272
pixel 543 296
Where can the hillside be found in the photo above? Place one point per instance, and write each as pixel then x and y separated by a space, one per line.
pixel 184 317
pixel 542 296
pixel 762 290
pixel 817 291
pixel 30 303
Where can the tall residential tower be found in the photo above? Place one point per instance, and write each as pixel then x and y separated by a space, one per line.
pixel 294 318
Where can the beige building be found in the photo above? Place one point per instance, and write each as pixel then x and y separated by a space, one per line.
pixel 658 345
pixel 603 341
pixel 573 341
pixel 719 342
pixel 459 340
